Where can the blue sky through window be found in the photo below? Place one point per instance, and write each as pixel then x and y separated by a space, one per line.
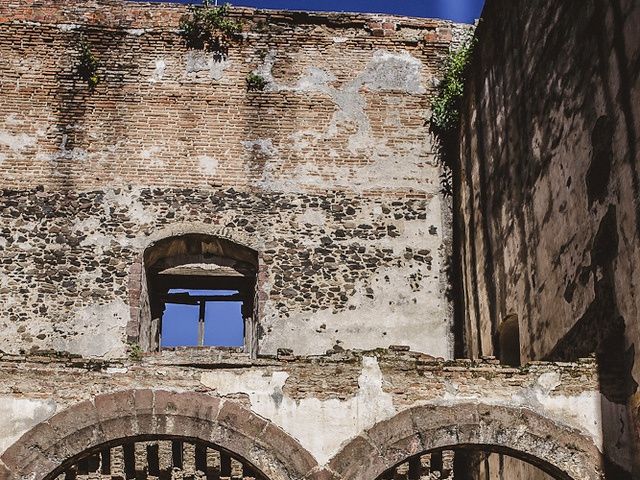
pixel 224 325
pixel 465 11
pixel 180 325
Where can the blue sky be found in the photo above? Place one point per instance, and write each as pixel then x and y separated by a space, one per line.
pixel 457 10
pixel 223 323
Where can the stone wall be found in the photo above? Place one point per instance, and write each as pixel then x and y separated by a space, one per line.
pixel 326 402
pixel 328 173
pixel 548 189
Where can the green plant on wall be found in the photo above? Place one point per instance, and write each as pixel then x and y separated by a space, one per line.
pixel 135 351
pixel 256 82
pixel 444 123
pixel 208 27
pixel 88 65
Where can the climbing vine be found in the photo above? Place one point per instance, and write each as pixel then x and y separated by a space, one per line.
pixel 256 82
pixel 88 65
pixel 208 27
pixel 444 123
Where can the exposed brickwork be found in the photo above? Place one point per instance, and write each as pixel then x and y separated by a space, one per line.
pixel 328 173
pixel 409 376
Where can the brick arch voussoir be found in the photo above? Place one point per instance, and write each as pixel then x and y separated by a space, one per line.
pixel 148 413
pixel 561 451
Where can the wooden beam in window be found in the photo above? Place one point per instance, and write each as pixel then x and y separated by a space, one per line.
pixel 201 323
pixel 186 299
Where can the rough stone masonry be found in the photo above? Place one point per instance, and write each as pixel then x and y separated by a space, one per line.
pixel 328 174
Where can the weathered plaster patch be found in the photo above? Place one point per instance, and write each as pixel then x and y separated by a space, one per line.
pixel 96 331
pixel 387 71
pixel 581 411
pixel 197 61
pixel 16 142
pixel 67 27
pixel 158 71
pixel 18 415
pixel 208 165
pixel 391 315
pixel 10 339
pixel 150 155
pixel 311 217
pixel 340 420
pixel 390 71
pixel 128 200
pixel 389 166
pixel 263 150
pixel 217 68
pixel 90 228
pixel 13 120
pixel 261 146
pixel 201 61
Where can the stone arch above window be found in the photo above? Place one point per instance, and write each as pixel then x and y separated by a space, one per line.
pixel 126 417
pixel 195 290
pixel 559 450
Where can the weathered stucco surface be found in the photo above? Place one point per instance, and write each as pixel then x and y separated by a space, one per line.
pixel 322 402
pixel 20 414
pixel 328 173
pixel 548 188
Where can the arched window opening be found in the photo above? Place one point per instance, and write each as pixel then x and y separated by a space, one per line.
pixel 437 464
pixel 509 341
pixel 465 463
pixel 160 457
pixel 201 293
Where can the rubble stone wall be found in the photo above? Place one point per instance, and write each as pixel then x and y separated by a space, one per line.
pixel 328 172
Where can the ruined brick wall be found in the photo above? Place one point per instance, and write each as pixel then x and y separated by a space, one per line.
pixel 328 173
pixel 548 189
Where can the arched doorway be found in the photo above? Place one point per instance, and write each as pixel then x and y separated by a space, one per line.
pixel 560 451
pixel 124 419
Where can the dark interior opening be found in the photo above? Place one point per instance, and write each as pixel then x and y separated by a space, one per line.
pixel 509 341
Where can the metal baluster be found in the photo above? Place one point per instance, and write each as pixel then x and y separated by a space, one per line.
pixel 105 461
pixel 225 465
pixel 414 468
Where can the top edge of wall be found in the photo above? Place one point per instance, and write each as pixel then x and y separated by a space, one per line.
pixel 132 14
